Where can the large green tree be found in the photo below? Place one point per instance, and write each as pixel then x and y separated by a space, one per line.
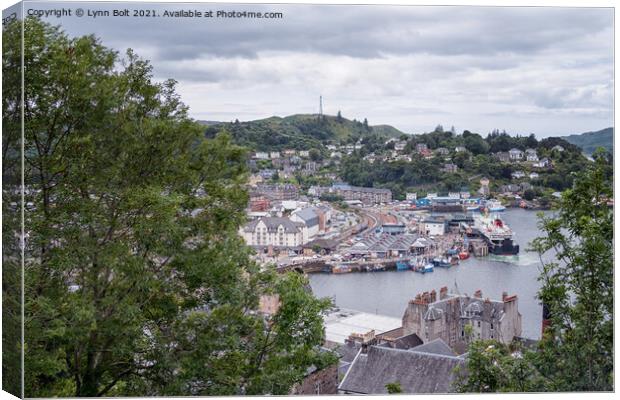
pixel 136 279
pixel 11 212
pixel 576 350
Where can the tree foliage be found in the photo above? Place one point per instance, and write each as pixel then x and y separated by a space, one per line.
pixel 137 282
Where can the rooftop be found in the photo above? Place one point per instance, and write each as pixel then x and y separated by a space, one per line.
pixel 417 372
pixel 340 324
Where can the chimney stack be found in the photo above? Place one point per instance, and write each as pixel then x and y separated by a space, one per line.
pixel 443 293
pixel 433 296
pixel 478 293
pixel 504 295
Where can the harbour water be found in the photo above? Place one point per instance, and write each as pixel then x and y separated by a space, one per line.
pixel 388 292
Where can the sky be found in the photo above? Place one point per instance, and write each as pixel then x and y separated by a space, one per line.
pixel 547 71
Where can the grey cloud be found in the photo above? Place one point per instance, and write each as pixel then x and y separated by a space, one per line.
pixel 401 65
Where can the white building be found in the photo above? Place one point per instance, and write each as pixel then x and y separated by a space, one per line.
pixel 304 153
pixel 531 155
pixel 274 231
pixel 433 227
pixel 259 155
pixel 518 174
pixel 411 196
pixel 534 175
pixel 400 145
pixel 274 154
pixel 309 218
pixel 515 154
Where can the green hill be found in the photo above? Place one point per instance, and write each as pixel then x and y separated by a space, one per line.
pixel 590 141
pixel 300 131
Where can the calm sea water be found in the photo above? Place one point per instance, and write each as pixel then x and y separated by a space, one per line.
pixel 388 292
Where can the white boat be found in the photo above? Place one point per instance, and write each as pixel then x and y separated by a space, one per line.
pixel 495 206
pixel 498 235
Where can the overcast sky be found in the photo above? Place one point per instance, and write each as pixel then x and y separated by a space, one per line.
pixel 547 71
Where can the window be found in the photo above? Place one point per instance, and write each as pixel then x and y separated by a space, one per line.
pixel 491 326
pixel 317 388
pixel 478 324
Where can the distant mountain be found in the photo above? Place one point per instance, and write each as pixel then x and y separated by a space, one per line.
pixel 300 131
pixel 589 141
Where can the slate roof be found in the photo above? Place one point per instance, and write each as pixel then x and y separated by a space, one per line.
pixel 386 242
pixel 416 372
pixel 328 244
pixel 404 342
pixel 273 223
pixel 436 346
pixel 308 216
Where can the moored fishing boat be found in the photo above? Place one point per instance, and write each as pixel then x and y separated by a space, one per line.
pixel 402 265
pixel 441 263
pixel 463 255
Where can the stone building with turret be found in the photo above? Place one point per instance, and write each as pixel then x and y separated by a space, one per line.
pixel 446 318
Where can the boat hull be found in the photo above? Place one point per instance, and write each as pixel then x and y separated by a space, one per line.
pixel 505 248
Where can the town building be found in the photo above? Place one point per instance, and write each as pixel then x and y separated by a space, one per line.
pixel 484 187
pixel 320 246
pixel 442 151
pixel 276 232
pixel 531 155
pixel 534 175
pixel 392 229
pixel 318 381
pixel 450 168
pixel 384 245
pixel 266 173
pixel 518 175
pixel 274 154
pixel 259 203
pixel 515 154
pixel 420 147
pixel 427 368
pixel 304 153
pixel 400 145
pixel 432 227
pixel 460 149
pixel 557 147
pixel 347 192
pixel 309 218
pixel 543 163
pixel 278 191
pixel 260 155
pixel 446 318
pixel 411 196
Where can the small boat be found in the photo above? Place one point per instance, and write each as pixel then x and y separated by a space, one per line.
pixel 454 260
pixel 441 263
pixel 341 269
pixel 402 266
pixel 473 208
pixel 495 206
pixel 463 255
pixel 428 268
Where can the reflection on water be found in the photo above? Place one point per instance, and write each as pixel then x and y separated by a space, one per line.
pixel 388 292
